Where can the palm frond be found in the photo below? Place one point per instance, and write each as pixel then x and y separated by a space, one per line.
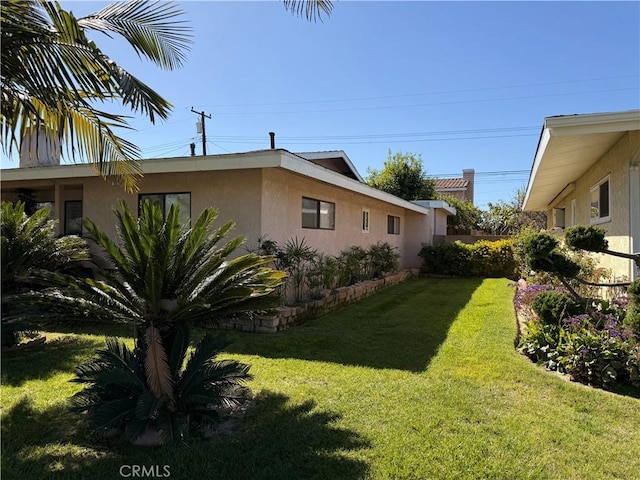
pixel 208 348
pixel 150 27
pixel 311 9
pixel 156 365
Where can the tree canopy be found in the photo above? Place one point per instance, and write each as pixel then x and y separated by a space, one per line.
pixel 508 218
pixel 403 175
pixel 467 215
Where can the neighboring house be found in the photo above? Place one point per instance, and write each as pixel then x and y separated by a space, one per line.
pixel 461 188
pixel 317 196
pixel 586 171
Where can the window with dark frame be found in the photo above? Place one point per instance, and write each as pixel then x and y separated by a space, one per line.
pixel 165 200
pixel 73 217
pixel 393 225
pixel 318 214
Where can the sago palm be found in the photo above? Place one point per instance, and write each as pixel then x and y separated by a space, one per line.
pixel 165 277
pixel 29 243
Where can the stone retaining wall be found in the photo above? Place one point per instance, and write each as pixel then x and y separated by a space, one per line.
pixel 332 299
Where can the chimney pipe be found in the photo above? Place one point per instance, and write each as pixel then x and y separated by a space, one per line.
pixel 273 139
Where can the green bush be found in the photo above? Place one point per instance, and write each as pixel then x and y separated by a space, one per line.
pixel 551 307
pixel 596 357
pixel 482 259
pixel 581 237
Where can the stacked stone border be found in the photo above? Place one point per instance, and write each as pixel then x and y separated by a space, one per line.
pixel 286 317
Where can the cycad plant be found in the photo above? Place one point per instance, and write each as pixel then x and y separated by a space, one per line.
pixel 29 243
pixel 165 277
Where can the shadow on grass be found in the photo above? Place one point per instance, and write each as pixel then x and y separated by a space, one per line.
pixel 401 327
pixel 59 354
pixel 276 440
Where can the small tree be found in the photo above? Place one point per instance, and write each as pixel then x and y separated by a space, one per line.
pixel 403 176
pixel 467 215
pixel 540 252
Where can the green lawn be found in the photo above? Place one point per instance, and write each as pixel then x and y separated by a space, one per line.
pixel 420 381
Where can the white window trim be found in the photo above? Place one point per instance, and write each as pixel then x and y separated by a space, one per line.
pixel 599 220
pixel 366 226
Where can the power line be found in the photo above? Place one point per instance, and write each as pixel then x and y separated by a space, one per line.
pixel 383 97
pixel 416 105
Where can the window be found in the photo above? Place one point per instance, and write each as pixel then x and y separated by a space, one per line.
pixel 393 225
pixel 558 215
pixel 573 212
pixel 73 217
pixel 600 202
pixel 365 221
pixel 318 214
pixel 165 200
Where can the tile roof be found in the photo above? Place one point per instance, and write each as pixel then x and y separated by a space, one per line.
pixel 442 183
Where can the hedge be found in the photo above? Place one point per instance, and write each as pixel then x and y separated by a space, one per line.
pixel 481 259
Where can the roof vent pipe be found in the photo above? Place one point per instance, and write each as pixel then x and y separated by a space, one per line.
pixel 273 139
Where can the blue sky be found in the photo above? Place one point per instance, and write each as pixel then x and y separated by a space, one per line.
pixel 463 84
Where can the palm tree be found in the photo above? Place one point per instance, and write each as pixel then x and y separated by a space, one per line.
pixel 166 276
pixel 29 244
pixel 53 75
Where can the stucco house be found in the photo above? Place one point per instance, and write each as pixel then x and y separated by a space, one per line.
pixel 586 171
pixel 318 196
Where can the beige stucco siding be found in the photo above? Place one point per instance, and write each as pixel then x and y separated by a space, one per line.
pixel 616 165
pixel 261 201
pixel 282 216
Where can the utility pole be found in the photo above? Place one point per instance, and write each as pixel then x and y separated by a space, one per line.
pixel 204 131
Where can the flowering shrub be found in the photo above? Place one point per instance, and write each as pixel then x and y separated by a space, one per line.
pixel 594 346
pixel 597 351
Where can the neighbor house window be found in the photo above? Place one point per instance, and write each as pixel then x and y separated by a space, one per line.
pixel 600 202
pixel 393 225
pixel 365 221
pixel 165 200
pixel 318 214
pixel 73 217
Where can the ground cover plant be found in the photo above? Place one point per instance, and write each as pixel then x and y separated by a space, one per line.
pixel 418 381
pixel 593 341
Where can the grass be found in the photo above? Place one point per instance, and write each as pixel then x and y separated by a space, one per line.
pixel 420 381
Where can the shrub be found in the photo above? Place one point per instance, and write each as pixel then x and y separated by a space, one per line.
pixel 452 259
pixel 493 259
pixel 581 237
pixel 551 307
pixel 594 348
pixel 598 356
pixel 482 259
pixel 383 258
